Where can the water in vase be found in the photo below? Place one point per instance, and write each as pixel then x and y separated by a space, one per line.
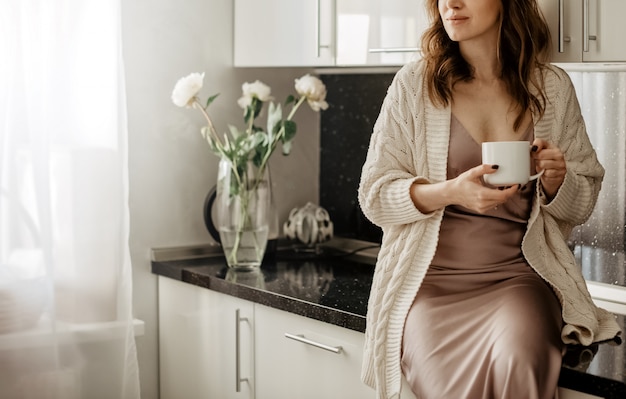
pixel 244 249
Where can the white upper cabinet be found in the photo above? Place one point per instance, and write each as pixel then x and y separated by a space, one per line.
pixel 328 33
pixel 284 33
pixel 325 33
pixel 379 33
pixel 586 30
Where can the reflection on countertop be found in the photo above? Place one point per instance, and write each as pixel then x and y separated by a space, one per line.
pixel 328 284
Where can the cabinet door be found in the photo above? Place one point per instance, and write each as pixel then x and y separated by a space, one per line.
pixel 586 30
pixel 283 33
pixel 605 30
pixel 298 367
pixel 564 18
pixel 379 33
pixel 198 336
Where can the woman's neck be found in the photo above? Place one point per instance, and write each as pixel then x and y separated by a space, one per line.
pixel 484 60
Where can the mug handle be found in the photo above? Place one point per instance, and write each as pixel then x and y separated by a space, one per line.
pixel 536 176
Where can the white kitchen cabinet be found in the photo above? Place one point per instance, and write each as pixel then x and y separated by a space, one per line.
pixel 284 33
pixel 298 357
pixel 323 33
pixel 199 331
pixel 586 30
pixel 379 33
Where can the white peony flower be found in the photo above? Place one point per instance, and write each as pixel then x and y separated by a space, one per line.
pixel 186 89
pixel 314 90
pixel 253 142
pixel 256 89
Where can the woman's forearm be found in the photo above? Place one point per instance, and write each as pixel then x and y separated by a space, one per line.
pixel 429 197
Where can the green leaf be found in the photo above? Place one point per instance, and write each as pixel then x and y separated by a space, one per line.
pixel 290 131
pixel 257 106
pixel 252 111
pixel 242 145
pixel 248 114
pixel 290 99
pixel 257 158
pixel 261 138
pixel 210 100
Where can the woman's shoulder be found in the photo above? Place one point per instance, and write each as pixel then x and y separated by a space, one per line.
pixel 411 71
pixel 555 78
pixel 409 78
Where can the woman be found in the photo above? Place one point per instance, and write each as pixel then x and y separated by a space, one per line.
pixel 475 291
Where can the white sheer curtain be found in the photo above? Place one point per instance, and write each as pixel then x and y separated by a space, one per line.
pixel 66 325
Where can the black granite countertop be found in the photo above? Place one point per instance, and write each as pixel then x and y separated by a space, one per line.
pixel 333 287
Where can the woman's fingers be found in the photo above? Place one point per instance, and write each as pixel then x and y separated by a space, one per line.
pixel 475 195
pixel 551 160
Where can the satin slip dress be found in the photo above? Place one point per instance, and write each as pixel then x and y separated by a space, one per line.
pixel 484 324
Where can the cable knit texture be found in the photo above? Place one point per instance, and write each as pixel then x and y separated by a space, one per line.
pixel 410 143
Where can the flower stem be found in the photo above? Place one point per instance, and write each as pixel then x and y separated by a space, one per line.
pixel 248 184
pixel 295 107
pixel 216 137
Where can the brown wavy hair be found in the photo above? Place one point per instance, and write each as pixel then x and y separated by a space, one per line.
pixel 524 45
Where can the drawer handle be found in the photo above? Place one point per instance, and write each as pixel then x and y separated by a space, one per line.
pixel 301 338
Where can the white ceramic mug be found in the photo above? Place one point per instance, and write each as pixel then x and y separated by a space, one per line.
pixel 513 160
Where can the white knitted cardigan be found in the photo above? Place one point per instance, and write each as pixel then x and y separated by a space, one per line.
pixel 410 143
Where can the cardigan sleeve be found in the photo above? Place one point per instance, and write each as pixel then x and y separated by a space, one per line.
pixel 389 169
pixel 577 196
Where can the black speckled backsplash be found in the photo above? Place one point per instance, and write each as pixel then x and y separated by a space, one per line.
pixel 346 127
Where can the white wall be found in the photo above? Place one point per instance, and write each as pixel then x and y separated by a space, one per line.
pixel 171 168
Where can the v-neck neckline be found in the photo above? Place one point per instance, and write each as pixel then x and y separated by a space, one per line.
pixel 528 133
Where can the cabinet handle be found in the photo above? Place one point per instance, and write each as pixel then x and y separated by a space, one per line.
pixel 586 26
pixel 562 38
pixel 395 50
pixel 238 379
pixel 301 338
pixel 318 16
pixel 318 30
pixel 586 35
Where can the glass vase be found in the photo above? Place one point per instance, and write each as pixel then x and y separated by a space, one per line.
pixel 242 208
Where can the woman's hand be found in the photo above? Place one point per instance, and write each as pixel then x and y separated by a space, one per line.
pixel 473 194
pixel 550 159
pixel 467 190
